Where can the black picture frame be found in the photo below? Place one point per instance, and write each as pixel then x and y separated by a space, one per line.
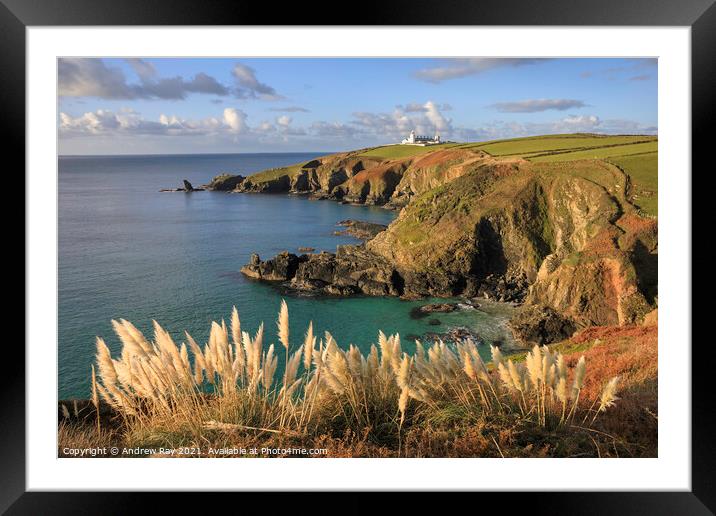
pixel 700 15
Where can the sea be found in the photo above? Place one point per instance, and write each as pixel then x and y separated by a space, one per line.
pixel 127 250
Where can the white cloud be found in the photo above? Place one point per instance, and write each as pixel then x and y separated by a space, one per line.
pixel 425 118
pixel 364 129
pixel 142 68
pixel 266 127
pixel 457 68
pixel 290 109
pixel 436 118
pixel 131 123
pixel 235 119
pixel 643 67
pixel 537 105
pixel 91 77
pixel 248 86
pixel 580 121
pixel 335 130
pixel 569 124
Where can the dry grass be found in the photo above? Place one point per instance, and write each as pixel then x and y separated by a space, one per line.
pixel 83 439
pixel 441 401
pixel 631 353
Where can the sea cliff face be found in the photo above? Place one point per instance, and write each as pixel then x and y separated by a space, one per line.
pixel 355 178
pixel 560 236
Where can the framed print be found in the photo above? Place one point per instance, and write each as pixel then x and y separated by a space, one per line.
pixel 420 256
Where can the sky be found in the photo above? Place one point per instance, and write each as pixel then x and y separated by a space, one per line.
pixel 220 105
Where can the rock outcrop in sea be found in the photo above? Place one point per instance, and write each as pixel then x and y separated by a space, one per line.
pixel 360 229
pixel 350 270
pixel 225 182
pixel 186 187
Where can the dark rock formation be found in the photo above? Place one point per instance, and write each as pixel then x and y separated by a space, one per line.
pixel 278 184
pixel 538 324
pixel 282 267
pixel 351 270
pixel 420 312
pixel 456 334
pixel 311 164
pixel 477 226
pixel 506 288
pixel 423 311
pixel 188 188
pixel 225 182
pixel 360 229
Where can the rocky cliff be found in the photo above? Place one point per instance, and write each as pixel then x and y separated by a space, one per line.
pixel 355 178
pixel 560 236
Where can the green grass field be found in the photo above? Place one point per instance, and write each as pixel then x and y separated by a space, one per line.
pixel 275 173
pixel 643 171
pixel 555 143
pixel 598 153
pixel 402 151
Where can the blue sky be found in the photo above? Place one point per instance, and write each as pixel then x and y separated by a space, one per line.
pixel 175 105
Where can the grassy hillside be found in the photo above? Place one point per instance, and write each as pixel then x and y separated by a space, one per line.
pixel 402 151
pixel 596 152
pixel 642 170
pixel 423 168
pixel 275 173
pixel 555 143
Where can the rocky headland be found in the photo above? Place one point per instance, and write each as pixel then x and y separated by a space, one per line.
pixel 562 239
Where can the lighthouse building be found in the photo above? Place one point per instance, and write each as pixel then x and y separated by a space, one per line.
pixel 413 139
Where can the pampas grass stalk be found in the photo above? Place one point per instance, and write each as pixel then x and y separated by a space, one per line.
pixel 232 379
pixel 607 397
pixel 95 397
pixel 579 374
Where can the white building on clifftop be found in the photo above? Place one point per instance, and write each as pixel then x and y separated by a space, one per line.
pixel 412 139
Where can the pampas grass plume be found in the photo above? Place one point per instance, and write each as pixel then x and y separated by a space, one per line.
pixel 283 324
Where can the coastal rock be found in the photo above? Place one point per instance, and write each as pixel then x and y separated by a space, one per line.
pixel 479 226
pixel 187 187
pixel 541 325
pixel 505 288
pixel 279 184
pixel 306 249
pixel 314 163
pixel 423 311
pixel 351 270
pixel 280 268
pixel 453 335
pixel 360 229
pixel 225 182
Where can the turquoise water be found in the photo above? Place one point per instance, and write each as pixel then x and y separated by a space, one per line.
pixel 126 250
